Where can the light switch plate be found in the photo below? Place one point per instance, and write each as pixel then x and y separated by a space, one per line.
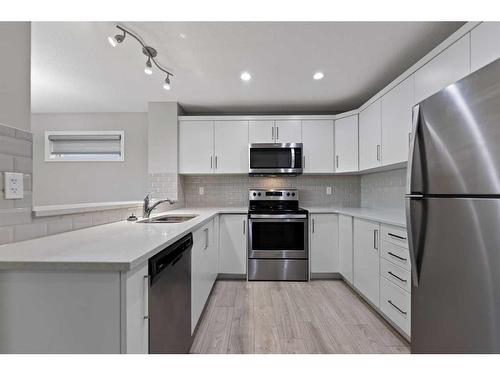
pixel 328 190
pixel 13 185
pixel 201 190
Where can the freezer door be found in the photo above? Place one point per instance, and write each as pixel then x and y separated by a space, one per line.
pixel 456 305
pixel 457 145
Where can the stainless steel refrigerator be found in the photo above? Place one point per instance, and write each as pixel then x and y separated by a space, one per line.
pixel 453 217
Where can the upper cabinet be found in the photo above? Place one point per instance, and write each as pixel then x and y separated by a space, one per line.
pixel 213 147
pixel 288 131
pixel 396 122
pixel 196 146
pixel 449 66
pixel 485 45
pixel 317 136
pixel 280 131
pixel 231 147
pixel 346 144
pixel 370 137
pixel 261 131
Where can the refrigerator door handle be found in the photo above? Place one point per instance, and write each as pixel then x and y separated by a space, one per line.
pixel 411 243
pixel 411 153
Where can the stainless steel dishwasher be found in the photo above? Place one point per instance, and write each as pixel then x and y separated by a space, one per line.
pixel 170 299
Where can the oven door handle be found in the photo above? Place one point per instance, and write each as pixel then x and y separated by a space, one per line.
pixel 267 216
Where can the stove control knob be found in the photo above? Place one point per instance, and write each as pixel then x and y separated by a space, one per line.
pixel 293 194
pixel 259 194
pixel 287 194
pixel 254 194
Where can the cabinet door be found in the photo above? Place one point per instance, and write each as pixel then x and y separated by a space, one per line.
pixel 396 122
pixel 324 243
pixel 447 67
pixel 484 44
pixel 196 146
pixel 137 325
pixel 231 147
pixel 366 259
pixel 370 133
pixel 288 131
pixel 261 131
pixel 233 244
pixel 346 144
pixel 317 136
pixel 346 247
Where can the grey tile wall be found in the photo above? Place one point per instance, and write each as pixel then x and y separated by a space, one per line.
pixel 166 185
pixel 384 189
pixel 233 190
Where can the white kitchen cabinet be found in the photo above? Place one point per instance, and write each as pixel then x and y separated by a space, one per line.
pixel 204 260
pixel 370 133
pixel 261 131
pixel 395 303
pixel 366 259
pixel 346 247
pixel 484 44
pixel 231 147
pixel 288 131
pixel 449 66
pixel 396 110
pixel 318 139
pixel 136 310
pixel 233 244
pixel 346 144
pixel 324 243
pixel 196 147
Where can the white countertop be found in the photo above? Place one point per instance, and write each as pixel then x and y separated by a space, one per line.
pixel 124 245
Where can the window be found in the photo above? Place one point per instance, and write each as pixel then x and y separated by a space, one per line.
pixel 84 146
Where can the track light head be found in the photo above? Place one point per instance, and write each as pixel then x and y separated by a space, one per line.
pixel 114 40
pixel 167 86
pixel 149 68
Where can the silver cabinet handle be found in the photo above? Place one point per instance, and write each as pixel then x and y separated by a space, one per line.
pixel 304 162
pixel 375 239
pixel 336 161
pixel 277 132
pixel 378 152
pixel 145 301
pixel 397 277
pixel 396 236
pixel 396 256
pixel 216 161
pixel 313 225
pixel 211 162
pixel 397 308
pixel 206 238
pixel 272 133
pixel 244 226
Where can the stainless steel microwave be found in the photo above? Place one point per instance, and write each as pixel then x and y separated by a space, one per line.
pixel 275 159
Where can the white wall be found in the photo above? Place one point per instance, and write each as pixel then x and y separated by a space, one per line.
pixel 15 66
pixel 88 182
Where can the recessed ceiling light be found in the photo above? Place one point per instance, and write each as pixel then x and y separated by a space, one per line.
pixel 183 36
pixel 245 76
pixel 318 75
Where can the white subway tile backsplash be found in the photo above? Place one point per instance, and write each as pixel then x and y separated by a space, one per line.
pixel 384 189
pixel 12 216
pixel 22 164
pixel 9 132
pixel 29 231
pixel 21 134
pixel 13 146
pixel 63 224
pixel 27 182
pixel 7 162
pixel 6 235
pixel 26 202
pixel 82 221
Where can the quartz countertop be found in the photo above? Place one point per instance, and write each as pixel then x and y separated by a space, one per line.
pixel 125 245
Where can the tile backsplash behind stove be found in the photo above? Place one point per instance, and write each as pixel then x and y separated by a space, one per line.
pixel 233 190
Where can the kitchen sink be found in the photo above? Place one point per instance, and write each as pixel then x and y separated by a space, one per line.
pixel 168 219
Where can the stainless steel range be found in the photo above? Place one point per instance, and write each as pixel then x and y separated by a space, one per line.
pixel 278 246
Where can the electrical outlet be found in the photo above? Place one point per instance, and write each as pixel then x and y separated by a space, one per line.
pixel 13 185
pixel 201 190
pixel 328 190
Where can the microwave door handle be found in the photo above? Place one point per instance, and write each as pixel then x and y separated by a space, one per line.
pixel 292 150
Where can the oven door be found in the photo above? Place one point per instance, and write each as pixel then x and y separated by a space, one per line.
pixel 277 237
pixel 275 158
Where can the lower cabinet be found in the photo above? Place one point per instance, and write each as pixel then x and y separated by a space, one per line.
pixel 324 242
pixel 395 303
pixel 233 244
pixel 346 248
pixel 366 259
pixel 204 264
pixel 136 310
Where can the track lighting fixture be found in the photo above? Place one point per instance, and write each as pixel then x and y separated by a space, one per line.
pixel 148 51
pixel 149 68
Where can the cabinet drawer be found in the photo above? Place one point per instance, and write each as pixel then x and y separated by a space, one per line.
pixel 397 275
pixel 395 235
pixel 396 254
pixel 395 303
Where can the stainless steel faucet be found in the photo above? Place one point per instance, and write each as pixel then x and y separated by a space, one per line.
pixel 147 209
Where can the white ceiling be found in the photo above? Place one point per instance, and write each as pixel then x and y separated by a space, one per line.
pixel 74 69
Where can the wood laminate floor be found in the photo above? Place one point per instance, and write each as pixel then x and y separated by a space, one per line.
pixel 323 316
